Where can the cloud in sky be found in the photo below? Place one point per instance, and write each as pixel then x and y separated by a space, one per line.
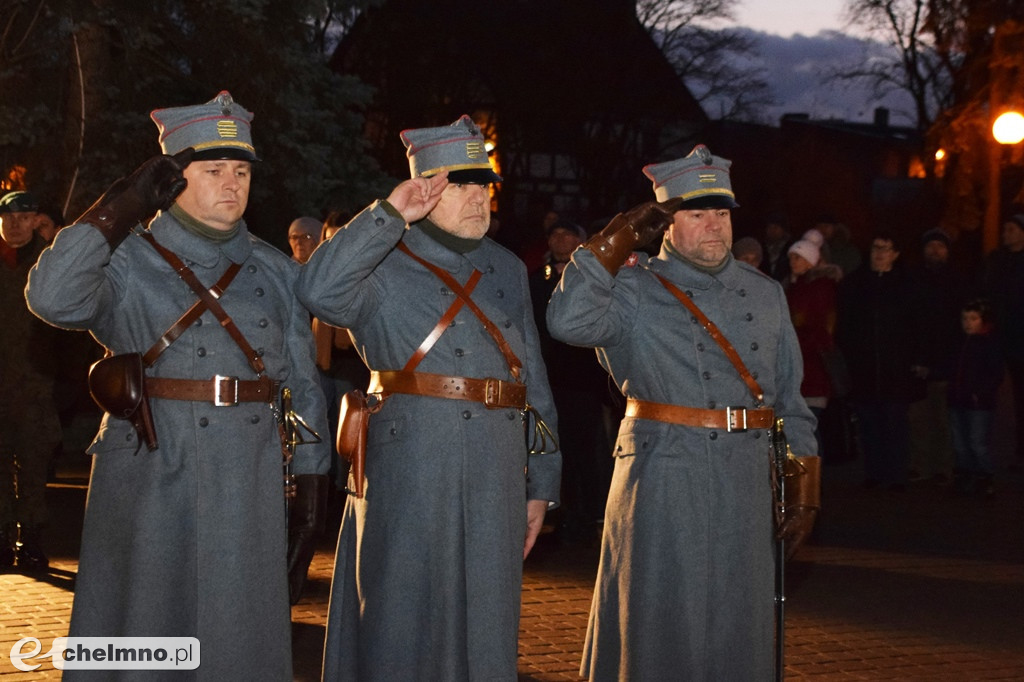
pixel 796 69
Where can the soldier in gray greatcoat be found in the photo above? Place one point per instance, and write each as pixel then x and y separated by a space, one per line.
pixel 427 579
pixel 184 534
pixel 685 584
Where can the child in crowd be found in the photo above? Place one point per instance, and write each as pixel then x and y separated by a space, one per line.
pixel 977 372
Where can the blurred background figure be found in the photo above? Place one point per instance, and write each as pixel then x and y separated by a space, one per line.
pixel 941 291
pixel 811 294
pixel 977 371
pixel 29 427
pixel 1003 285
pixel 879 334
pixel 777 241
pixel 49 220
pixel 581 391
pixel 748 250
pixel 303 237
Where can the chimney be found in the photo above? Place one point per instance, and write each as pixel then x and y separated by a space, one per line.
pixel 881 117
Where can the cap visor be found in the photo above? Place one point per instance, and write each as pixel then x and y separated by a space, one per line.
pixel 232 153
pixel 473 176
pixel 710 201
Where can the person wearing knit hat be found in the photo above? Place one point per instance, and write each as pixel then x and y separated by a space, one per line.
pixel 188 459
pixel 680 438
pixel 807 251
pixel 814 236
pixel 442 317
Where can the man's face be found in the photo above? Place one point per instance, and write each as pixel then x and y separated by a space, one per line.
pixel 464 211
pixel 703 236
pixel 217 191
pixel 1013 236
pixel 883 255
pixel 16 228
pixel 971 322
pixel 562 243
pixel 302 243
pixel 935 252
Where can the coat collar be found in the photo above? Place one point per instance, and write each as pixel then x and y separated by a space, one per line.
pixel 190 247
pixel 685 275
pixel 430 249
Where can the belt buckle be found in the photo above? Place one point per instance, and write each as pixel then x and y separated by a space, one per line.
pixel 735 419
pixel 219 399
pixel 492 393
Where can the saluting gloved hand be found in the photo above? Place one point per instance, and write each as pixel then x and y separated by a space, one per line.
pixel 627 231
pixel 305 523
pixel 803 500
pixel 152 187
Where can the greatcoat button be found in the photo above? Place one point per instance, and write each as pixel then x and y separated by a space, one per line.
pixel 204 422
pixel 467 414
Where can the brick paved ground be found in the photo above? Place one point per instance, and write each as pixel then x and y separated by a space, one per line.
pixel 920 585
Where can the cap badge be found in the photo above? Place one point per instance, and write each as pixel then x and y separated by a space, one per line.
pixel 227 129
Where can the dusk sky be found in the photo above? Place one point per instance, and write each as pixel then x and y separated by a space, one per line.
pixel 786 17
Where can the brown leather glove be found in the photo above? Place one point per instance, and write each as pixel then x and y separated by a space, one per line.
pixel 627 231
pixel 135 199
pixel 803 500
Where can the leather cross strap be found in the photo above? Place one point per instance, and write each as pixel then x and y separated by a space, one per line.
pixel 719 338
pixel 443 323
pixel 729 419
pixel 189 277
pixel 514 365
pixel 190 316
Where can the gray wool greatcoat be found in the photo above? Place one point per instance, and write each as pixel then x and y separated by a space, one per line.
pixel 188 540
pixel 427 580
pixel 685 585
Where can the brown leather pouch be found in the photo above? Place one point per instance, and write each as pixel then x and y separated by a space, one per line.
pixel 118 385
pixel 353 423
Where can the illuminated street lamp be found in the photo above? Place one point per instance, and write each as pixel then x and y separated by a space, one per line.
pixel 1008 128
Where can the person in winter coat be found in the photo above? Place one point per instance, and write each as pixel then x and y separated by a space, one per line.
pixel 975 374
pixel 428 574
pixel 879 332
pixel 185 531
pixel 685 583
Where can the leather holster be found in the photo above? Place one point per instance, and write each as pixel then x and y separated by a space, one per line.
pixel 118 385
pixel 353 423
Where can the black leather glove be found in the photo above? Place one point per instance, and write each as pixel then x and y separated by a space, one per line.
pixel 305 522
pixel 152 187
pixel 803 499
pixel 627 231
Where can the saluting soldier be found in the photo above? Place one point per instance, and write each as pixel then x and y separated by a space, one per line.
pixel 685 584
pixel 184 530
pixel 428 572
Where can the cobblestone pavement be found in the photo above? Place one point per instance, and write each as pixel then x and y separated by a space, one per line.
pixel 918 585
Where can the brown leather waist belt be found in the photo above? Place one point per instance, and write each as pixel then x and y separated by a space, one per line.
pixel 493 393
pixel 220 390
pixel 730 419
